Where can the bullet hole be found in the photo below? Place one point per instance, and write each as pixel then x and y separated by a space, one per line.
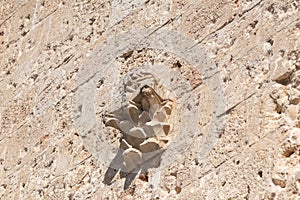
pixel 260 173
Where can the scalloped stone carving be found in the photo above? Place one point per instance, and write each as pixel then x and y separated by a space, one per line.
pixel 145 126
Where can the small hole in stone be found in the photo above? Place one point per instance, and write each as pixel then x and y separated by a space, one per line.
pixel 127 54
pixel 289 151
pixel 34 76
pixel 178 189
pixel 260 173
pixel 223 183
pixel 24 33
pixel 189 107
pixel 177 64
pixel 270 41
pixel 278 109
pixel 143 177
pixel 100 82
pixel 173 174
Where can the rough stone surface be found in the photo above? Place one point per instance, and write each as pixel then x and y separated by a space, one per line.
pixel 232 69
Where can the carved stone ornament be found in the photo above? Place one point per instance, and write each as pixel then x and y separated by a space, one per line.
pixel 145 126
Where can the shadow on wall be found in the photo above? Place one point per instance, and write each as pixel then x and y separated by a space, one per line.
pixel 118 166
pixel 144 124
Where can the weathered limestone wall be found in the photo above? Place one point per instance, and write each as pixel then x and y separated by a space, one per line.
pixel 230 69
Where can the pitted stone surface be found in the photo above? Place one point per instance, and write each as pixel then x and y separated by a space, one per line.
pixel 232 72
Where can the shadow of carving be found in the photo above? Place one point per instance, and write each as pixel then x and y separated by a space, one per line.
pixel 145 126
pixel 117 166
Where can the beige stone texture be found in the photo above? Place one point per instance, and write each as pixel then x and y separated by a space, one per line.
pixel 231 68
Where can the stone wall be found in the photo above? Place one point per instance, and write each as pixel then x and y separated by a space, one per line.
pixel 230 69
